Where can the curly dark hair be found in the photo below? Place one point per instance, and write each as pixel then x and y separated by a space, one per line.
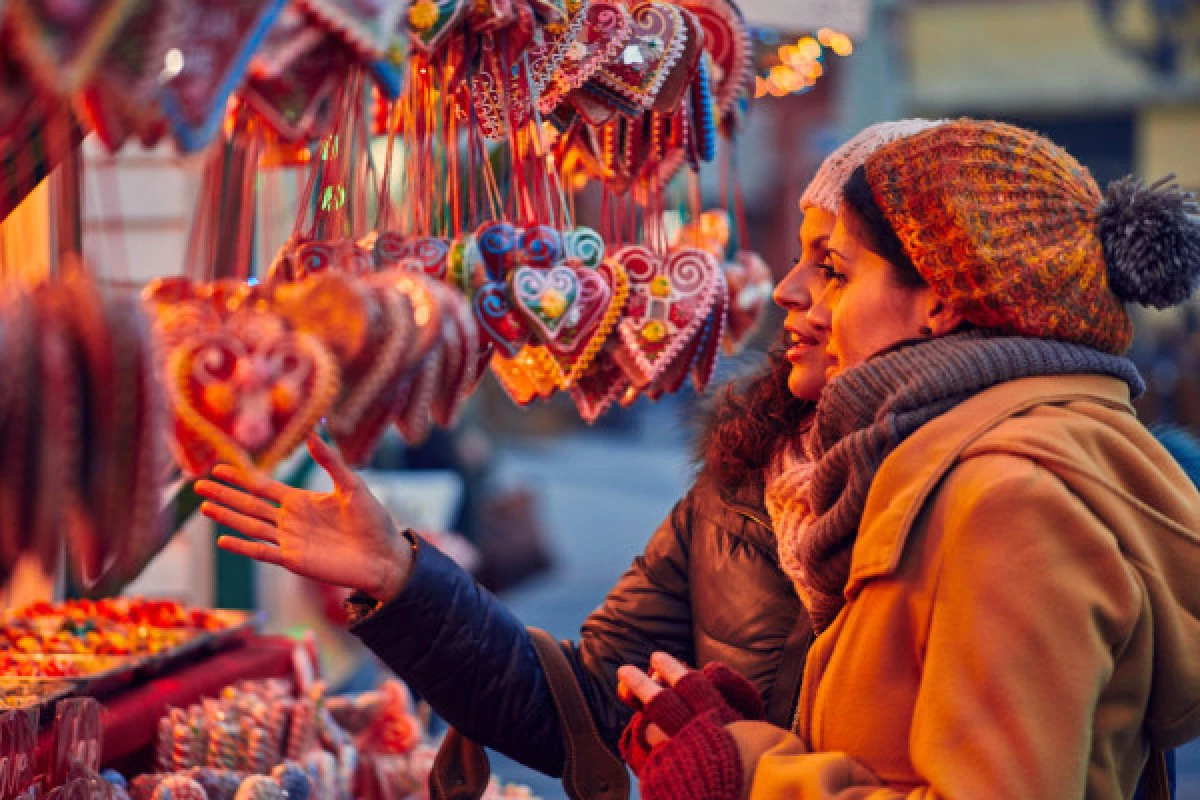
pixel 746 422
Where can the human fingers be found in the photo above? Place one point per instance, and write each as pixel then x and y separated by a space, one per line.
pixel 331 461
pixel 258 551
pixel 638 684
pixel 248 526
pixel 668 668
pixel 254 482
pixel 237 500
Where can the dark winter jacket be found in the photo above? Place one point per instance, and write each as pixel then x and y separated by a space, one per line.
pixel 707 588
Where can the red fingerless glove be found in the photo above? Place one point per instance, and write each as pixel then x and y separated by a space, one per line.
pixel 716 689
pixel 700 762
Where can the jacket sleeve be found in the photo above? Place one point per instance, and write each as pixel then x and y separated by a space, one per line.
pixel 472 660
pixel 1032 600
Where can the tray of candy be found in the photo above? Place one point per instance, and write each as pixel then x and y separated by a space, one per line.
pixel 220 627
pixel 22 693
pixel 88 673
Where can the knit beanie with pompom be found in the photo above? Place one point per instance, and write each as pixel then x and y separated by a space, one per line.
pixel 1015 234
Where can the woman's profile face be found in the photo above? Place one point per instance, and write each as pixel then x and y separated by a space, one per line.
pixel 795 294
pixel 864 309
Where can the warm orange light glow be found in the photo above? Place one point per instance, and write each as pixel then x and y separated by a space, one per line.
pixel 842 45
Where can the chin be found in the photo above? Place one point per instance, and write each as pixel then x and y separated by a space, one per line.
pixel 806 383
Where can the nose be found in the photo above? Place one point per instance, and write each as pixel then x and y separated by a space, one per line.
pixel 792 293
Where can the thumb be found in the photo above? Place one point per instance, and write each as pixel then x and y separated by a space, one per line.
pixel 331 461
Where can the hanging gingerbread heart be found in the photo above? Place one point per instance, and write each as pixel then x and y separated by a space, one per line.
pixel 413 412
pixel 548 53
pixel 563 305
pixel 679 77
pixel 22 399
pixel 540 246
pixel 669 300
pixel 498 243
pixel 247 395
pixel 432 22
pixel 64 42
pixel 365 26
pixel 429 256
pixel 460 346
pixel 577 360
pixel 657 43
pixel 216 41
pixel 600 386
pixel 604 29
pixel 714 334
pixel 361 416
pixel 501 92
pixel 584 245
pixel 727 41
pixel 499 324
pixel 749 285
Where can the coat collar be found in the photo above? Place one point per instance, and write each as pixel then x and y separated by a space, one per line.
pixel 909 475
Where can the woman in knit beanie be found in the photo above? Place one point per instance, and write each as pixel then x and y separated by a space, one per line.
pixel 999 559
pixel 440 634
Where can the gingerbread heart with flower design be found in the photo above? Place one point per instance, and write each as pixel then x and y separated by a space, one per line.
pixel 604 28
pixel 247 394
pixel 658 46
pixel 562 305
pixel 670 298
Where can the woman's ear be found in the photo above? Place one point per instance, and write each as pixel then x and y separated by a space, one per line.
pixel 941 318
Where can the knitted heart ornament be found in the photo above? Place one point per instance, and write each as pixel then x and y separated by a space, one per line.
pixel 244 398
pixel 604 30
pixel 669 300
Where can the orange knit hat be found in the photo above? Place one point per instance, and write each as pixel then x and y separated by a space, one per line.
pixel 1010 230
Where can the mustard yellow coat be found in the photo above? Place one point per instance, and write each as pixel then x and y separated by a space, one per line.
pixel 1022 617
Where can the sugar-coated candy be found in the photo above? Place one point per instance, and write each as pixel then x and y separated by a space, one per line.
pixel 296 783
pixel 323 769
pixel 259 787
pixel 179 787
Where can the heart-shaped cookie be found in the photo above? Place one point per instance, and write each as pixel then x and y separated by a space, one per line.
pixel 497 243
pixel 584 245
pixel 658 40
pixel 599 386
pixel 579 359
pixel 426 255
pixel 460 353
pixel 563 305
pixel 540 246
pixel 604 28
pixel 361 416
pixel 727 41
pixel 669 300
pixel 714 334
pixel 748 279
pixel 244 399
pixel 499 323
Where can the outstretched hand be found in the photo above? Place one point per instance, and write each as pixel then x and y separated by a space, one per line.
pixel 344 537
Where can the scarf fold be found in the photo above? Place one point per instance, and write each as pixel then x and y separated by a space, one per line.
pixel 816 497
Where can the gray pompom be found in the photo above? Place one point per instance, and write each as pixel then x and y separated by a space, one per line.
pixel 1151 241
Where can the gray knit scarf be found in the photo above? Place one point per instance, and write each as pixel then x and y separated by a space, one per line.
pixel 869 410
